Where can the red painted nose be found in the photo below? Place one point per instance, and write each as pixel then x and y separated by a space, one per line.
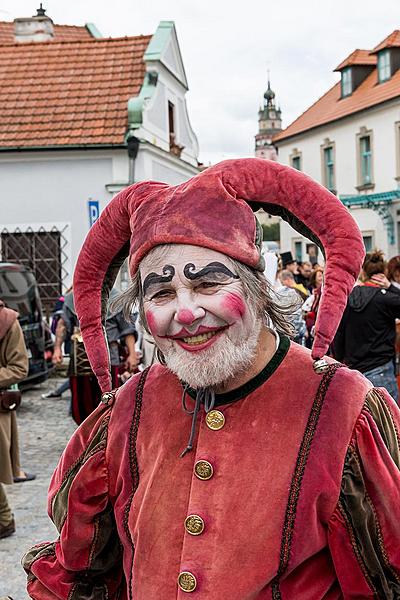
pixel 185 316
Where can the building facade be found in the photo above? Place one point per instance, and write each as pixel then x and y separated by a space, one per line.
pixel 349 141
pixel 83 117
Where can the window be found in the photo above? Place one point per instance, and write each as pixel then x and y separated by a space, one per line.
pixel 364 155
pixel 365 160
pixel 40 251
pixel 298 251
pixel 329 169
pixel 346 82
pixel 384 66
pixel 171 121
pixel 367 239
pixel 397 137
pixel 296 162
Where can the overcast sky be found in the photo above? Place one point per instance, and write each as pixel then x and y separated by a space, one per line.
pixel 227 48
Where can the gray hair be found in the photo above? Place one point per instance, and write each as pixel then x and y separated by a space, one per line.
pixel 285 274
pixel 257 290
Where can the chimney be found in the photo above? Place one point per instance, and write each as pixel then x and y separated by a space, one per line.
pixel 38 28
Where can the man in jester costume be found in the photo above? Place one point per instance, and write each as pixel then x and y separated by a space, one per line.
pixel 242 466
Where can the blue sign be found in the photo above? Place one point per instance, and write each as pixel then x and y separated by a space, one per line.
pixel 94 211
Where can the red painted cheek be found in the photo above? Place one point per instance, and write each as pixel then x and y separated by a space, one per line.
pixel 234 305
pixel 185 316
pixel 151 321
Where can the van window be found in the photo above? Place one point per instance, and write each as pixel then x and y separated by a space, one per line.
pixel 18 291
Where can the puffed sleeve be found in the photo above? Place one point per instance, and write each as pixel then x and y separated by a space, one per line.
pixel 364 531
pixel 85 562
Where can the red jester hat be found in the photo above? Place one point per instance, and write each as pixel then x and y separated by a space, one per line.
pixel 214 209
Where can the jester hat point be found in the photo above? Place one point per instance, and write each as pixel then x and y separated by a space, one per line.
pixel 214 210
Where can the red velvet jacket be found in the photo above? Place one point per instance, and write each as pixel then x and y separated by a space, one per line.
pixel 296 496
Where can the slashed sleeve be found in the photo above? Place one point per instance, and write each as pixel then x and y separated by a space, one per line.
pixel 85 561
pixel 364 531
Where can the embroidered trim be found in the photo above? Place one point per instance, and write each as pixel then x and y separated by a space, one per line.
pixel 94 542
pixel 378 529
pixel 355 548
pixel 80 461
pixel 297 478
pixel 389 409
pixel 133 464
pixel 381 542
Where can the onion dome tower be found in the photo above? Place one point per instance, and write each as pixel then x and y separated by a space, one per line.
pixel 269 123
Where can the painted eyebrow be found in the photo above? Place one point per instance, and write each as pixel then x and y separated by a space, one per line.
pixel 215 267
pixel 154 278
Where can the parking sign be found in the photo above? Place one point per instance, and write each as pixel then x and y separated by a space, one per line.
pixel 94 211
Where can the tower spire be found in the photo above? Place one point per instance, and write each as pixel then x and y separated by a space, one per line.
pixel 269 123
pixel 40 12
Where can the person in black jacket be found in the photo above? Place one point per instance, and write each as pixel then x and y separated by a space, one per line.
pixel 365 339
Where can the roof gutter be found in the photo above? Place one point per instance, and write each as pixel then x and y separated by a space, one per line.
pixel 63 148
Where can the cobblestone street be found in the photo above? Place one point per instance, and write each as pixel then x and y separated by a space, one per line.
pixel 44 428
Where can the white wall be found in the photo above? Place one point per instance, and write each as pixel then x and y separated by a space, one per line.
pixel 367 220
pixel 41 192
pixel 52 189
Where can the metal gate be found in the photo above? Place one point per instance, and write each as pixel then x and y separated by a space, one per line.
pixel 43 250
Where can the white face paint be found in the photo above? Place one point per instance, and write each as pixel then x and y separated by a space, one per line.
pixel 197 313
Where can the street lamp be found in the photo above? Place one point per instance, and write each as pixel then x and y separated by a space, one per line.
pixel 133 149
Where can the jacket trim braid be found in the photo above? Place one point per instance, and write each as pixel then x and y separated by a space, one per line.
pixel 356 550
pixel 363 525
pixel 382 414
pixel 59 502
pixel 358 509
pixel 295 487
pixel 133 464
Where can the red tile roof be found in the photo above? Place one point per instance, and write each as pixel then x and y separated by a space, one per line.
pixel 68 93
pixel 61 33
pixel 392 41
pixel 331 107
pixel 358 57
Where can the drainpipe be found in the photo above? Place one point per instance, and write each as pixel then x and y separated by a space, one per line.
pixel 133 149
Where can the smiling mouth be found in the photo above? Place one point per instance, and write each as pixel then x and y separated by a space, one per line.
pixel 194 340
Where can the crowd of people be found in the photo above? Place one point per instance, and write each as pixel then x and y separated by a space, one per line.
pixel 299 285
pixel 366 339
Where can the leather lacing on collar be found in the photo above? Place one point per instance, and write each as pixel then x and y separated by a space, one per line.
pixel 204 396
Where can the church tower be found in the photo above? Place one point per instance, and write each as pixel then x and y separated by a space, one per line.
pixel 269 123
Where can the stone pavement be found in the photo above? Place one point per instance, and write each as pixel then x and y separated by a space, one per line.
pixel 44 429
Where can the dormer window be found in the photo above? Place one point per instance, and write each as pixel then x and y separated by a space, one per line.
pixel 384 65
pixel 346 82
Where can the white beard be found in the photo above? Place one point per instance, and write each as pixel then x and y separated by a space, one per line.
pixel 214 365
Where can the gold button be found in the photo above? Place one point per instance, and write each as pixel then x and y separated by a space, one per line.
pixel 194 524
pixel 215 420
pixel 187 581
pixel 203 469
